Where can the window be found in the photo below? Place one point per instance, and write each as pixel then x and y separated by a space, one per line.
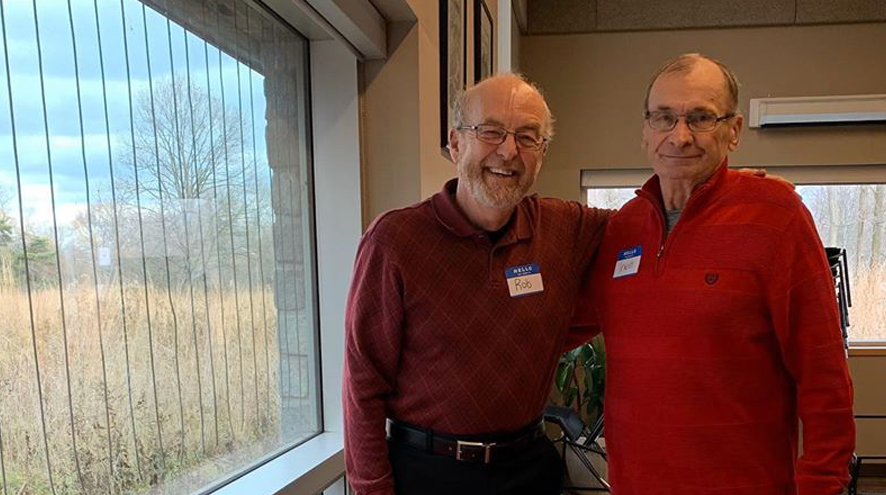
pixel 850 216
pixel 157 276
pixel 853 217
pixel 611 198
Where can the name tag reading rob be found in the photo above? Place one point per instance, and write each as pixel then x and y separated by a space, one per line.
pixel 524 280
pixel 628 262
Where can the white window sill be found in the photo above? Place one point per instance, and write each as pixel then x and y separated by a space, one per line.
pixel 308 468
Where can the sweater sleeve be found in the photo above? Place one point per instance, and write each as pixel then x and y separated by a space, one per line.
pixel 584 324
pixel 806 321
pixel 373 322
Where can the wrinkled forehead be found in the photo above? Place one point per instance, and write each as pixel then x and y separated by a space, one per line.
pixel 516 105
pixel 702 87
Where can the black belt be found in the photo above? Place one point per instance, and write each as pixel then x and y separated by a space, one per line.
pixel 469 448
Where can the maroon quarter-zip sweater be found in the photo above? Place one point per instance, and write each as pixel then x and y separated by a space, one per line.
pixel 433 336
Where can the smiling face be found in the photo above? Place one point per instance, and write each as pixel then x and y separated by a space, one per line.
pixel 493 176
pixel 681 154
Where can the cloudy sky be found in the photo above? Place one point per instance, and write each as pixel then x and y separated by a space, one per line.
pixel 57 76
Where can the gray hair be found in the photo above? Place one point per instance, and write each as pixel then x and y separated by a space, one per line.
pixel 461 103
pixel 684 64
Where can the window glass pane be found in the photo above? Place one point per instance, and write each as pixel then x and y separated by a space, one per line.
pixel 853 217
pixel 611 198
pixel 157 283
pixel 849 216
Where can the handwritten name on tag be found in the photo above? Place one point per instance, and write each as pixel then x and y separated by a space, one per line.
pixel 628 262
pixel 524 280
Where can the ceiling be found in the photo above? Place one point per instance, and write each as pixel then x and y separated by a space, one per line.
pixel 586 16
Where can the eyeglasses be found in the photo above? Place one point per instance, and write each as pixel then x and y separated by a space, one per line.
pixel 696 121
pixel 493 134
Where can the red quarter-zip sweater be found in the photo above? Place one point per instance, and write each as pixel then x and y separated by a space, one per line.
pixel 725 336
pixel 433 336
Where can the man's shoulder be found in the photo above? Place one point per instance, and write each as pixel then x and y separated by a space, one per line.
pixel 777 193
pixel 759 201
pixel 632 207
pixel 569 208
pixel 399 221
pixel 551 202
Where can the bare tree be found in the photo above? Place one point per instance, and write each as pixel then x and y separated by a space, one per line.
pixel 878 224
pixel 7 236
pixel 186 142
pixel 833 210
pixel 6 230
pixel 193 158
pixel 860 231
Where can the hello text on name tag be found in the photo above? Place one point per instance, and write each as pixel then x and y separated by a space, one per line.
pixel 524 280
pixel 628 262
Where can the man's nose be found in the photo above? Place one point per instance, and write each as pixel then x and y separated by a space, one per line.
pixel 680 135
pixel 507 150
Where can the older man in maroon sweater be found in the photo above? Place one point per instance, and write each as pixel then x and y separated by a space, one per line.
pixel 459 308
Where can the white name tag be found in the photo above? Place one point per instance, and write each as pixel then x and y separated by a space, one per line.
pixel 524 280
pixel 628 262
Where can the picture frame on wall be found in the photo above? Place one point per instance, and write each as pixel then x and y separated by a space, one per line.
pixel 483 41
pixel 453 67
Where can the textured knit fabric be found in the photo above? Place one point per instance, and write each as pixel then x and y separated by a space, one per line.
pixel 433 337
pixel 727 335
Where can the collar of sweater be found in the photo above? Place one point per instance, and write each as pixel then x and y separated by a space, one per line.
pixel 701 195
pixel 450 215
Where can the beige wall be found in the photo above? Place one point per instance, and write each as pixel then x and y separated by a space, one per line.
pixel 390 139
pixel 595 85
pixel 868 373
pixel 402 160
pixel 515 42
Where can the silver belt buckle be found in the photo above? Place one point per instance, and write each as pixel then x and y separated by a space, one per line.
pixel 487 448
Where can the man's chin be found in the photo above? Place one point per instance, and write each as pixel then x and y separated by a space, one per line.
pixel 500 199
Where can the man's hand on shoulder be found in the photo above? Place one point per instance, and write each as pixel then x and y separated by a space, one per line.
pixel 761 172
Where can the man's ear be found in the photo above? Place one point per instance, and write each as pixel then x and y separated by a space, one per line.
pixel 454 145
pixel 735 132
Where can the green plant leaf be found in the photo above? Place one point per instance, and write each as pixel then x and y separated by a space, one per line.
pixel 586 354
pixel 574 353
pixel 564 374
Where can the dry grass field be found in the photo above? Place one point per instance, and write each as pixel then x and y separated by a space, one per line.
pixel 867 316
pixel 202 384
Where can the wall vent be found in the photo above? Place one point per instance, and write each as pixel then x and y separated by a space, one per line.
pixel 817 110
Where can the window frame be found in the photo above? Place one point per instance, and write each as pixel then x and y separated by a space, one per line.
pixel 338 40
pixel 318 463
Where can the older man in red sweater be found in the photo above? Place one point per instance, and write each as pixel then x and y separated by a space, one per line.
pixel 717 305
pixel 459 309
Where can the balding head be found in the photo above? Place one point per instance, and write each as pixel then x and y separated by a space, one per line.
pixel 501 85
pixel 688 62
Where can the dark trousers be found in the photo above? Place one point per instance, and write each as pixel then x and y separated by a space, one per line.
pixel 536 471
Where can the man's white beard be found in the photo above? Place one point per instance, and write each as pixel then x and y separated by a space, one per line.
pixel 501 197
